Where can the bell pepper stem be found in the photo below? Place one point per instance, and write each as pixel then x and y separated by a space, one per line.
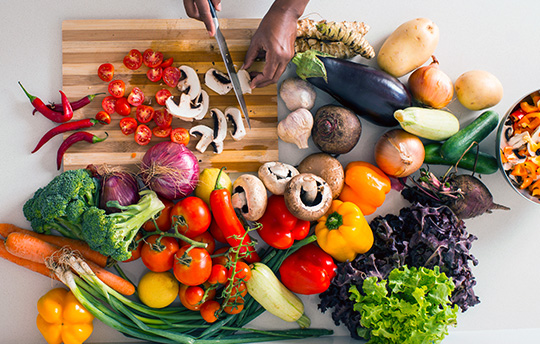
pixel 334 221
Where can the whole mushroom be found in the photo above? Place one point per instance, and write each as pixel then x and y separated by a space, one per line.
pixel 308 197
pixel 275 175
pixel 327 167
pixel 249 196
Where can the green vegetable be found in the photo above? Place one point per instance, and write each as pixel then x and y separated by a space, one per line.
pixel 485 163
pixel 411 307
pixel 431 124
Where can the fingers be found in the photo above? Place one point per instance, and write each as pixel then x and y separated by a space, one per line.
pixel 275 66
pixel 217 4
pixel 200 10
pixel 251 54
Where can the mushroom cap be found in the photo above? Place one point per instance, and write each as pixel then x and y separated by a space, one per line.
pixel 308 197
pixel 328 168
pixel 275 175
pixel 249 196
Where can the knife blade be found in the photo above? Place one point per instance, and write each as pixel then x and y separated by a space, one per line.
pixel 226 55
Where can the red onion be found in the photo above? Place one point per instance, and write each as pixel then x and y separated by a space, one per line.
pixel 170 169
pixel 118 186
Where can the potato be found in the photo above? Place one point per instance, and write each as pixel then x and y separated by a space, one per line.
pixel 478 90
pixel 408 47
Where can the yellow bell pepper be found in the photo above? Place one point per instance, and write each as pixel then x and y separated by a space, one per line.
pixel 365 185
pixel 343 231
pixel 62 319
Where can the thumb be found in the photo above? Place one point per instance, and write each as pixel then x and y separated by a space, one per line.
pixel 251 55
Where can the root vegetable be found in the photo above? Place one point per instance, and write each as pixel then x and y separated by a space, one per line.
pixel 336 130
pixel 336 49
pixel 431 86
pixel 478 90
pixel 398 153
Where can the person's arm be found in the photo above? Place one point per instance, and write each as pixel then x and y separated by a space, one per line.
pixel 200 10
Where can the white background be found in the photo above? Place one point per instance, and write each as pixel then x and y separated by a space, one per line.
pixel 498 36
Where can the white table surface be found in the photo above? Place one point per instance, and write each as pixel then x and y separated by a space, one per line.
pixel 498 36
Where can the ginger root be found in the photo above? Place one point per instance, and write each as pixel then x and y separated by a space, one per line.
pixel 336 49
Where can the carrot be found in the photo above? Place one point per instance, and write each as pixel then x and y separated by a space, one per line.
pixel 76 245
pixel 116 282
pixel 25 263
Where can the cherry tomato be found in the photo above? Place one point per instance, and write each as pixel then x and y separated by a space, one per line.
pixel 152 58
pixel 144 113
pixel 171 76
pixel 108 103
pixel 136 252
pixel 222 256
pixel 162 118
pixel 241 271
pixel 122 107
pixel 195 214
pixel 180 135
pixel 136 96
pixel 163 220
pixel 218 275
pixel 106 72
pixel 159 256
pixel 204 237
pixel 239 290
pixel 143 135
pixel 234 306
pixel 133 60
pixel 193 266
pixel 128 125
pixel 154 74
pixel 209 311
pixel 195 307
pixel 117 88
pixel 194 294
pixel 161 132
pixel 216 232
pixel 103 117
pixel 162 95
pixel 166 63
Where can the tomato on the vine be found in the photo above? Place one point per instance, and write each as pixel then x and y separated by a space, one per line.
pixel 204 237
pixel 143 134
pixel 194 294
pixel 161 132
pixel 154 74
pixel 180 135
pixel 163 220
pixel 133 60
pixel 136 252
pixel 159 257
pixel 144 113
pixel 193 266
pixel 223 256
pixel 234 306
pixel 171 76
pixel 106 72
pixel 216 232
pixel 240 271
pixel 209 310
pixel 191 216
pixel 136 96
pixel 152 58
pixel 128 125
pixel 103 117
pixel 163 118
pixel 218 275
pixel 108 103
pixel 122 107
pixel 117 88
pixel 162 95
pixel 210 294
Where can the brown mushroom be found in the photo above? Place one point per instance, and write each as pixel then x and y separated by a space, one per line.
pixel 275 175
pixel 308 197
pixel 327 167
pixel 249 196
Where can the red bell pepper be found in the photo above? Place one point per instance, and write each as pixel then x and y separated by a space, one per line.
pixel 279 228
pixel 308 271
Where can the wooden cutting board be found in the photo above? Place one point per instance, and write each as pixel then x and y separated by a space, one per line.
pixel 88 43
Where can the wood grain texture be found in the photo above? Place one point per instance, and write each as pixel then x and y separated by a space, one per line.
pixel 88 43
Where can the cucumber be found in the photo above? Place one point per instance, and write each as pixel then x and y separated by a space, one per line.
pixel 486 164
pixel 432 124
pixel 453 148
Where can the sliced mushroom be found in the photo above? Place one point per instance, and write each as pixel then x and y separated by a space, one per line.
pixel 206 135
pixel 308 197
pixel 189 83
pixel 249 196
pixel 245 81
pixel 275 175
pixel 234 116
pixel 327 167
pixel 220 129
pixel 205 100
pixel 218 81
pixel 185 110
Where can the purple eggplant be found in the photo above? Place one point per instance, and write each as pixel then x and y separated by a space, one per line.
pixel 370 93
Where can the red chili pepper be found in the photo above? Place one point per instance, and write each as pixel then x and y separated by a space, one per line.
pixel 66 106
pixel 62 128
pixel 74 105
pixel 73 138
pixel 226 218
pixel 40 106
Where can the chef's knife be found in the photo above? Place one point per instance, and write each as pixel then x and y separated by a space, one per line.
pixel 226 55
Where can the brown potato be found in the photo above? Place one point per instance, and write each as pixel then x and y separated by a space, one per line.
pixel 478 90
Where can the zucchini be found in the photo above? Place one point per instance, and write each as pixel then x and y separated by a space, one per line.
pixel 432 124
pixel 453 148
pixel 486 164
pixel 270 293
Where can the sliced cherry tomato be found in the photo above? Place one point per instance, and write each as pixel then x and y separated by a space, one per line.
pixel 180 135
pixel 117 88
pixel 166 63
pixel 162 118
pixel 106 72
pixel 128 125
pixel 162 95
pixel 103 117
pixel 158 255
pixel 108 104
pixel 193 266
pixel 218 275
pixel 136 96
pixel 209 311
pixel 163 220
pixel 154 74
pixel 161 132
pixel 145 113
pixel 191 216
pixel 122 107
pixel 152 58
pixel 171 76
pixel 143 135
pixel 204 237
pixel 133 60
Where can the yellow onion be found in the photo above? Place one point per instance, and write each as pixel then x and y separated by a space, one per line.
pixel 398 153
pixel 431 86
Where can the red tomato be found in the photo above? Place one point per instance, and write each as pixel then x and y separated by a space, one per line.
pixel 136 252
pixel 171 76
pixel 117 88
pixel 103 117
pixel 166 63
pixel 154 74
pixel 108 104
pixel 162 95
pixel 223 256
pixel 234 305
pixel 136 96
pixel 161 132
pixel 122 107
pixel 152 58
pixel 209 311
pixel 195 214
pixel 218 275
pixel 145 113
pixel 180 135
pixel 143 135
pixel 192 267
pixel 194 294
pixel 159 256
pixel 211 293
pixel 241 271
pixel 133 60
pixel 204 237
pixel 128 125
pixel 162 118
pixel 216 232
pixel 163 220
pixel 106 72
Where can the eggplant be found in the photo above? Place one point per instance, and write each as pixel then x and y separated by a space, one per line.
pixel 370 93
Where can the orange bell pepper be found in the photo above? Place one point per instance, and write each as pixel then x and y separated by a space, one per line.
pixel 365 185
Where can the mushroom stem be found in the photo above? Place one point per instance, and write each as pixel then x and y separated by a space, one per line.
pixel 309 191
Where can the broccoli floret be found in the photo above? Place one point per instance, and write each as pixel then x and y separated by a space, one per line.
pixel 112 234
pixel 60 204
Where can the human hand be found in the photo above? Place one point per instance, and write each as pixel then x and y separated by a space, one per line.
pixel 200 10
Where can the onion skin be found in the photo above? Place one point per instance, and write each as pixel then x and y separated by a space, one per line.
pixel 431 86
pixel 121 187
pixel 398 153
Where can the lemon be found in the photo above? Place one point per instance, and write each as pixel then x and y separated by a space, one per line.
pixel 207 183
pixel 158 289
